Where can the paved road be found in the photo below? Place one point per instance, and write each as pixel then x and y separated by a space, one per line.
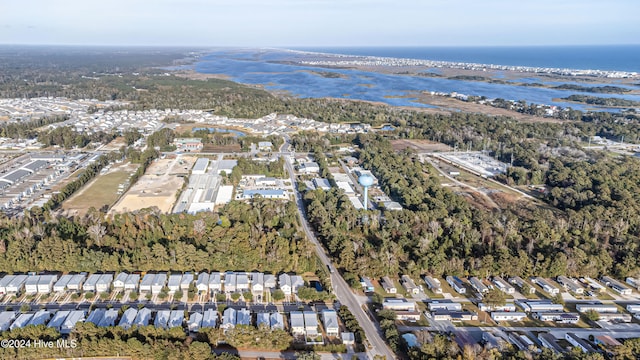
pixel 340 287
pixel 268 355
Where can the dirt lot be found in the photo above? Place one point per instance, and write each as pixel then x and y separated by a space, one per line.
pixel 102 191
pixel 158 186
pixel 181 128
pixel 116 144
pixel 210 148
pixel 421 146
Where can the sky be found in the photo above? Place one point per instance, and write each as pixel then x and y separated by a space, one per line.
pixel 283 23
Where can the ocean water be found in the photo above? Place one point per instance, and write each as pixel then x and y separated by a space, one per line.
pixel 272 69
pixel 600 57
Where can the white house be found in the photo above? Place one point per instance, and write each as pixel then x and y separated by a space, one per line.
pixel 330 322
pixel 508 316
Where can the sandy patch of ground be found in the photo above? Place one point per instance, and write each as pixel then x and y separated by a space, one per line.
pixel 421 146
pixel 158 187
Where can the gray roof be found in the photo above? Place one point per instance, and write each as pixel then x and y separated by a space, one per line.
pixel 128 318
pixel 96 316
pixel 142 319
pixel 39 318
pixel 201 164
pixel 162 318
pixel 210 318
pixel 16 176
pixel 176 318
pixel 6 317
pixel 21 321
pixel 36 165
pixel 58 319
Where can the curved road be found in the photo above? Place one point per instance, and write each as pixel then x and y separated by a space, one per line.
pixel 340 286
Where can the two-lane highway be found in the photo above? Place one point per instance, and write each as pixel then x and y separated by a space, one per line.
pixel 340 286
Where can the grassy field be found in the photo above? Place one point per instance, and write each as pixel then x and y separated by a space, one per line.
pixel 100 192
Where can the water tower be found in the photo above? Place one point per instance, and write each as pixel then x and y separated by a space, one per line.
pixel 366 181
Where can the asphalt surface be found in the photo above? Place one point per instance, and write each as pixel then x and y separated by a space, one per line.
pixel 340 286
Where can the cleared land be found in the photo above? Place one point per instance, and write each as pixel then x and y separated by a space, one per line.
pixel 158 187
pixel 210 148
pixel 188 127
pixel 421 146
pixel 114 145
pixel 102 191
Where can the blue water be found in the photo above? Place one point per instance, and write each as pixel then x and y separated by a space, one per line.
pixel 252 66
pixel 602 57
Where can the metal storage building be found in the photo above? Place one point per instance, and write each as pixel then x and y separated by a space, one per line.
pixel 128 317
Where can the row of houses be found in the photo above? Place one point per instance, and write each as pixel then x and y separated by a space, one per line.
pixel 154 283
pixel 63 321
pixel 301 322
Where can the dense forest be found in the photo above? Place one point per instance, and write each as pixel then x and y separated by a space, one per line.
pixel 260 236
pixel 148 342
pixel 439 232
